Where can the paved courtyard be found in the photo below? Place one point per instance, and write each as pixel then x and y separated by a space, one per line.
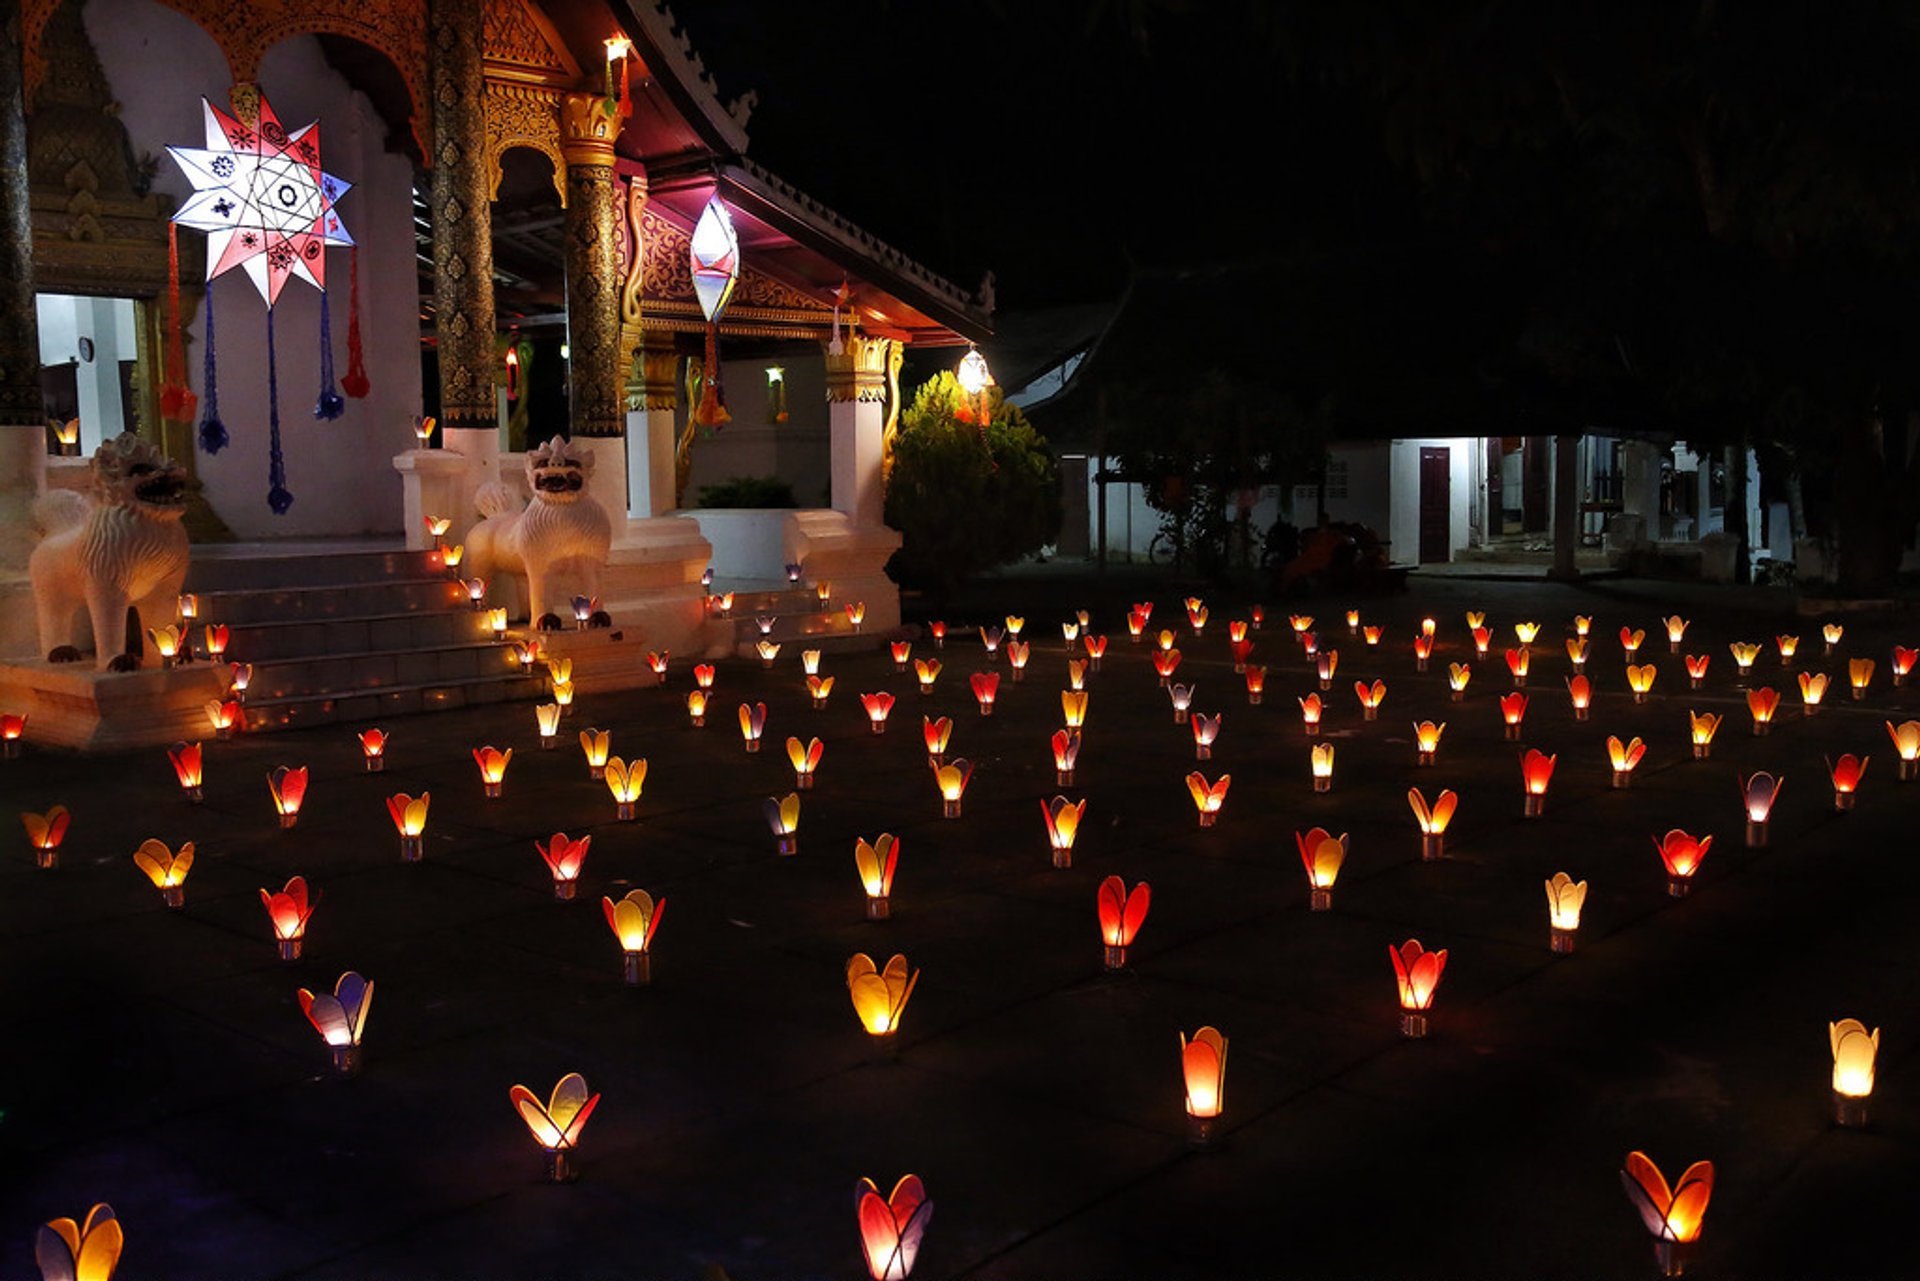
pixel 158 1060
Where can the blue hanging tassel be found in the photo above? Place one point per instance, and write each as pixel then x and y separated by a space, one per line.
pixel 331 403
pixel 213 432
pixel 279 497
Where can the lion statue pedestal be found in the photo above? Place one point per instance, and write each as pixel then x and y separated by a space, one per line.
pixel 560 539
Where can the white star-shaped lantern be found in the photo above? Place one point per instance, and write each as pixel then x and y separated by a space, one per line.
pixel 262 198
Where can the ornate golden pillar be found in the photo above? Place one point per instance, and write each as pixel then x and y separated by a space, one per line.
pixel 588 124
pixel 462 219
pixel 22 413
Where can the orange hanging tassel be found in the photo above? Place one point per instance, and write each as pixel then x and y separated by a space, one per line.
pixel 177 401
pixel 711 412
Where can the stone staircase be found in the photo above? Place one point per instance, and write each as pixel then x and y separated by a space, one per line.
pixel 801 622
pixel 355 633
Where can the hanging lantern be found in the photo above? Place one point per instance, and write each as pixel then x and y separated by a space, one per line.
pixel 1353 622
pixel 13 732
pixel 1310 712
pixel 986 687
pixel 1536 771
pixel 901 651
pixel 1903 661
pixel 1640 680
pixel 1203 1062
pixel 1673 1214
pixel 1762 703
pixel 166 869
pixel 891 1226
pixel 564 858
pixel 1758 793
pixel 1458 674
pixel 1181 696
pixel 714 249
pixel 1813 688
pixel 1577 653
pixel 1063 824
pixel 1682 855
pixel 1422 651
pixel 1256 684
pixel 556 1125
pixel 1076 675
pixel 805 758
pixel 1326 661
pixel 951 778
pixel 1702 726
pixel 1096 647
pixel 657 660
pixel 1321 853
pixel 697 707
pixel 1744 654
pixel 288 912
pixel 1122 912
pixel 1859 676
pixel 810 662
pixel 1788 646
pixel 1208 798
pixel 1518 660
pixel 1631 639
pixel 409 815
pixel 1676 630
pixel 783 818
pixel 1565 897
pixel 1017 654
pixel 547 720
pixel 877 706
pixel 69 1251
pixel 818 689
pixel 1165 663
pixel 880 996
pixel 1433 820
pixel 186 759
pixel 926 671
pixel 493 769
pixel 1066 751
pixel 1370 696
pixel 1625 756
pixel 1417 971
pixel 289 790
pixel 936 732
pixel 634 920
pixel 1854 1050
pixel 1513 711
pixel 373 746
pixel 45 832
pixel 1697 670
pixel 1426 740
pixel 753 720
pixel 1846 772
pixel 625 782
pixel 1482 641
pixel 340 1017
pixel 1372 634
pixel 1205 730
pixel 1906 742
pixel 1580 694
pixel 876 864
pixel 990 638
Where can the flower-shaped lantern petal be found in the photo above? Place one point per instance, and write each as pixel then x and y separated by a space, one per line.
pixel 557 1123
pixel 1122 911
pixel 876 864
pixel 891 1226
pixel 340 1017
pixel 1672 1214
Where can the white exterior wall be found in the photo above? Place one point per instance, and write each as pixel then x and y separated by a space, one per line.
pixel 798 450
pixel 1406 494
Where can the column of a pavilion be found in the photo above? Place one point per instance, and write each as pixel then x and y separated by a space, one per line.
pixel 462 248
pixel 856 426
pixel 589 123
pixel 22 413
pixel 653 399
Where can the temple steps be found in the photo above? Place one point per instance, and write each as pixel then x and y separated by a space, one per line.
pixel 237 606
pixel 368 707
pixel 272 642
pixel 798 622
pixel 264 567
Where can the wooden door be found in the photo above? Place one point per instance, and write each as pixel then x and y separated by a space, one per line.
pixel 1436 494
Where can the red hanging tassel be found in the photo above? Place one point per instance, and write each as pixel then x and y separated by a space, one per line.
pixel 355 384
pixel 711 413
pixel 177 401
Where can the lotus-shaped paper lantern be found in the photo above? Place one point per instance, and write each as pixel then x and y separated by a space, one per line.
pixel 1321 853
pixel 880 996
pixel 476 592
pixel 1422 651
pixel 810 662
pixel 1624 757
pixel 340 1017
pixel 1631 639
pixel 1813 688
pixel 1353 623
pixel 1122 912
pixel 1197 617
pixel 409 815
pixel 1203 1064
pixel 1762 703
pixel 1744 653
pixel 1526 632
pixel 819 688
pixel 1205 730
pixel 823 592
pixel 1073 707
pixel 564 858
pixel 1241 650
pixel 1320 765
pixel 1640 680
pixel 166 869
pixel 986 688
pixel 1018 655
pixel 1428 626
pixel 1906 742
pixel 1580 694
pixel 1136 623
pixel 1682 854
pixel 1166 640
pixel 188 769
pixel 753 720
pixel 1518 661
pixel 937 733
pixel 288 911
pixel 45 832
pixel 69 1251
pixel 805 759
pixel 1076 674
pixel 856 614
pixel 497 622
pixel 527 652
pixel 901 651
pixel 556 1124
pixel 1847 772
pixel 1701 727
pixel 1426 740
pixel 1565 897
pixel 1300 623
pixel 547 721
pixel 990 638
pixel 168 641
pixel 951 778
pixel 223 714
pixel 1062 818
pixel 1069 633
pixel 938 630
pixel 1433 820
pixel 703 674
pixel 13 730
pixel 1672 1214
pixel 876 864
pixel 1208 798
pixel 187 606
pixel 1256 684
pixel 1417 971
pixel 657 660
pixel 624 781
pixel 595 745
pixel 634 920
pixel 1096 647
pixel 1859 676
pixel 1854 1050
pixel 1697 670
pixel 451 557
pixel 1903 661
pixel 373 746
pixel 877 707
pixel 1513 711
pixel 1326 662
pixel 697 700
pixel 1758 793
pixel 891 1226
pixel 1311 710
pixel 1536 771
pixel 1458 674
pixel 1371 634
pixel 1181 696
pixel 1370 696
pixel 783 819
pixel 1788 646
pixel 1165 663
pixel 1676 632
pixel 1482 641
pixel 927 670
pixel 768 650
pixel 288 787
pixel 723 604
pixel 1577 653
pixel 1476 618
pixel 492 763
pixel 1582 624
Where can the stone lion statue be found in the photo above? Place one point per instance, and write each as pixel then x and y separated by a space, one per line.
pixel 563 533
pixel 117 547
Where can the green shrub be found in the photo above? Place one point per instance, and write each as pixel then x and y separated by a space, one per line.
pixel 748 491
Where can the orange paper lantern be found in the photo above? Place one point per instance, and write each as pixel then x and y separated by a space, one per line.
pixel 493 769
pixel 1121 914
pixel 1417 973
pixel 288 911
pixel 556 1125
pixel 1321 853
pixel 1671 1214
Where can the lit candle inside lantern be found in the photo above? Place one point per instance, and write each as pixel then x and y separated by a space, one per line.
pixel 990 641
pixel 1640 680
pixel 186 760
pixel 939 630
pixel 1758 793
pixel 288 788
pixel 1372 634
pixel 805 758
pixel 657 660
pixel 217 636
pixel 1846 772
pixel 1673 1214
pixel 1320 762
pixel 547 720
pixel 891 1226
pixel 562 692
pixel 1813 688
pixel 1241 650
pixel 492 763
pixel 880 996
pixel 1859 676
pixel 167 643
pixel 556 1124
pixel 1513 711
pixel 1697 670
pixel 810 662
pixel 594 745
pixel 1624 756
pixel 451 557
pixel 1582 624
pixel 1417 972
pixel 1422 651
pixel 1069 633
pixel 753 720
pixel 1136 623
pixel 1580 693
pixel 768 651
pixel 1370 696
pixel 188 607
pixel 373 746
pixel 1762 703
pixel 1205 730
pixel 986 688
pixel 476 591
pixel 1165 663
pixel 1197 617
pixel 876 864
pixel 1301 623
pixel 625 780
pixel 1702 726
pixel 1518 661
pixel 1744 653
pixel 927 671
pixel 223 715
pixel 1018 652
pixel 856 614
pixel 1122 912
pixel 497 622
pixel 409 815
pixel 877 706
pixel 1310 711
pixel 951 779
pixel 1432 820
pixel 1536 771
pixel 166 869
pixel 1631 638
pixel 564 858
pixel 1062 818
pixel 1096 647
pixel 818 689
pixel 1203 1063
pixel 1256 684
pixel 1326 661
pixel 13 730
pixel 1577 652
pixel 1458 674
pixel 340 1017
pixel 1903 661
pixel 1788 646
pixel 634 920
pixel 1321 853
pixel 1482 641
pixel 1854 1050
pixel 1208 798
pixel 1181 696
pixel 1426 740
pixel 1906 742
pixel 1682 854
pixel 1353 622
pixel 288 911
pixel 1076 674
pixel 901 651
pixel 783 819
pixel 1526 632
pixel 1565 897
pixel 697 707
pixel 45 832
pixel 936 733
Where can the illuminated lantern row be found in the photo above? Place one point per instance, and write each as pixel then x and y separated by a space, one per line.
pixel 1682 854
pixel 783 818
pixel 557 1123
pixel 1205 730
pixel 877 706
pixel 1122 912
pixel 1624 757
pixel 927 670
pixel 595 744
pixel 819 689
pixel 1640 680
pixel 1320 763
pixel 986 688
pixel 634 920
pixel 1203 1063
pixel 1062 818
pixel 1536 771
pixel 288 911
pixel 876 864
pixel 1580 694
pixel 223 715
pixel 951 778
pixel 805 759
pixel 1433 820
pixel 1426 740
pixel 1310 711
pixel 409 815
pixel 1697 670
pixel 288 788
pixel 1417 972
pixel 373 746
pixel 1208 798
pixel 753 721
pixel 187 768
pixel 1458 674
pixel 69 1251
pixel 1906 742
pixel 1073 707
pixel 1702 726
pixel 13 733
pixel 492 763
pixel 1181 696
pixel 1513 710
pixel 1577 653
pixel 1256 684
pixel 697 707
pixel 891 1226
pixel 1066 752
pixel 1671 1214
pixel 1854 1050
pixel 880 996
pixel 937 733
pixel 45 832
pixel 1758 794
pixel 340 1017
pixel 1565 897
pixel 1321 853
pixel 166 869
